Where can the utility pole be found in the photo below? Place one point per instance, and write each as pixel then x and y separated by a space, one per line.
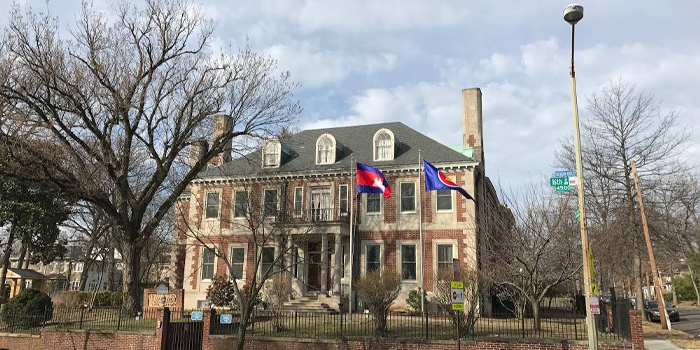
pixel 572 14
pixel 663 315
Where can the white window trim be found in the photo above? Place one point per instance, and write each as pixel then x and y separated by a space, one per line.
pixel 278 161
pixel 452 201
pixel 260 262
pixel 201 262
pixel 206 199
pixel 363 255
pixel 347 198
pixel 333 149
pixel 245 258
pixel 419 263
pixel 295 202
pixel 233 211
pixel 381 206
pixel 415 197
pixel 374 145
pixel 455 252
pixel 263 201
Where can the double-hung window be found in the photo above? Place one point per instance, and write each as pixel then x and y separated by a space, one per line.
pixel 373 256
pixel 212 205
pixel 373 203
pixel 270 205
pixel 343 199
pixel 267 259
pixel 408 262
pixel 408 197
pixel 237 262
pixel 240 207
pixel 298 201
pixel 444 200
pixel 208 258
pixel 444 256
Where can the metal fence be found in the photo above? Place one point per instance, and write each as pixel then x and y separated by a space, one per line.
pixel 562 324
pixel 79 318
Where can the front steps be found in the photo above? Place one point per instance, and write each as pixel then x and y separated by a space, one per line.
pixel 312 304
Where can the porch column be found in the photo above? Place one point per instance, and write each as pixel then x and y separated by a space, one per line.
pixel 278 253
pixel 337 264
pixel 324 263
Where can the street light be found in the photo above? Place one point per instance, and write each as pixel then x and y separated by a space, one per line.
pixel 572 14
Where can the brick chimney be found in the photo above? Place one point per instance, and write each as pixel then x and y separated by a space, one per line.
pixel 222 124
pixel 197 151
pixel 472 131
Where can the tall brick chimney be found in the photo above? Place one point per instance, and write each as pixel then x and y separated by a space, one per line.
pixel 197 151
pixel 222 124
pixel 472 131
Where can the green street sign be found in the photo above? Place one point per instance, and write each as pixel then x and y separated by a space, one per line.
pixel 562 188
pixel 577 214
pixel 559 181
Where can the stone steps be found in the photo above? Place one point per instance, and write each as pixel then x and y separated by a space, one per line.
pixel 309 304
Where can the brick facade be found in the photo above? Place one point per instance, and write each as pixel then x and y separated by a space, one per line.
pixel 20 341
pixel 96 340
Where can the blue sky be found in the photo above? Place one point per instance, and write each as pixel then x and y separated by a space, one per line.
pixel 363 62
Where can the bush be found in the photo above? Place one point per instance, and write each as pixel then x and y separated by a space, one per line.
pixel 73 299
pixel 378 290
pixel 413 300
pixel 30 305
pixel 103 298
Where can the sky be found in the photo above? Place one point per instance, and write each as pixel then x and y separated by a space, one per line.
pixel 364 62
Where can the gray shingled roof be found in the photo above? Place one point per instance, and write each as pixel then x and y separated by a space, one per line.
pixel 355 140
pixel 28 274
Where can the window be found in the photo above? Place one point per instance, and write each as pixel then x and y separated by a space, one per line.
pixel 408 196
pixel 373 252
pixel 268 258
pixel 237 262
pixel 373 203
pixel 201 304
pixel 342 266
pixel 444 200
pixel 408 262
pixel 383 145
pixel 343 199
pixel 271 154
pixel 240 207
pixel 298 200
pixel 208 257
pixel 325 149
pixel 79 267
pixel 444 256
pixel 270 206
pixel 295 261
pixel 212 210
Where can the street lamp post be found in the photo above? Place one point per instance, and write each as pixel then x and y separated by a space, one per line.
pixel 572 14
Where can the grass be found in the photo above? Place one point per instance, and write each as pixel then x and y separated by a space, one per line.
pixel 682 339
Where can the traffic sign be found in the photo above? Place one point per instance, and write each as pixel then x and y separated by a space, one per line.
pixel 226 319
pixel 577 214
pixel 595 306
pixel 196 316
pixel 558 181
pixel 564 173
pixel 572 181
pixel 457 295
pixel 594 289
pixel 562 188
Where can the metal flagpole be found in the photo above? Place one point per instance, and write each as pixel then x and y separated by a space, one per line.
pixel 352 230
pixel 420 230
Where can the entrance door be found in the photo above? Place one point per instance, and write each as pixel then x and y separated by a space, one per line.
pixel 314 259
pixel 321 204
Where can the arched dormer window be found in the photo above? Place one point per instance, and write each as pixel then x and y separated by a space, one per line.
pixel 271 153
pixel 383 145
pixel 325 149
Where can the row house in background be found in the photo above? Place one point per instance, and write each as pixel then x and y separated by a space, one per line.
pixel 304 182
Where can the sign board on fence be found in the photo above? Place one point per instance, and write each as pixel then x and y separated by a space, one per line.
pixel 457 295
pixel 226 319
pixel 196 316
pixel 156 300
pixel 595 306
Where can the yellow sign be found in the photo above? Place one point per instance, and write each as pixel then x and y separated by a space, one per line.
pixel 156 300
pixel 594 289
pixel 458 307
pixel 457 284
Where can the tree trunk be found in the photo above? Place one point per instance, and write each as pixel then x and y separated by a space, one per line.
pixel 638 280
pixel 111 283
pixel 695 285
pixel 242 327
pixel 131 283
pixel 22 254
pixel 5 264
pixel 535 315
pixel 84 275
pixel 28 259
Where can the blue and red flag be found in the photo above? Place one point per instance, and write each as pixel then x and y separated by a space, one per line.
pixel 436 180
pixel 371 180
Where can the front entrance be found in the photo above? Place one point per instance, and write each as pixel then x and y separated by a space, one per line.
pixel 314 259
pixel 184 335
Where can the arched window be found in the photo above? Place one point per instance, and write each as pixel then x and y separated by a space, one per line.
pixel 383 145
pixel 325 149
pixel 271 154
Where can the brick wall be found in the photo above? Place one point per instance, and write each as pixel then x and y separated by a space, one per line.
pixel 20 341
pixel 96 340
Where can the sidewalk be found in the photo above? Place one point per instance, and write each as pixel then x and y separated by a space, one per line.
pixel 659 344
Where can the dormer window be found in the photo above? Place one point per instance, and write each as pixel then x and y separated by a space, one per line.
pixel 272 149
pixel 383 145
pixel 325 149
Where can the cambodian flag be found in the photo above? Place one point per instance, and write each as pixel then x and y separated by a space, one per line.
pixel 436 180
pixel 371 180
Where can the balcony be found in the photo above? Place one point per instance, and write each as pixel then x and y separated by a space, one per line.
pixel 314 216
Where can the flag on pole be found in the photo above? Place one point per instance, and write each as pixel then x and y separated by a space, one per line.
pixel 437 180
pixel 371 180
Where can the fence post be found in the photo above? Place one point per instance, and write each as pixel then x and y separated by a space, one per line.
pixel 426 325
pixel 575 326
pixel 82 312
pixel 46 312
pixel 295 324
pixel 119 319
pixel 522 323
pixel 341 324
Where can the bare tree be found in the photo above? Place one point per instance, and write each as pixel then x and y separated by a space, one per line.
pixel 108 113
pixel 543 248
pixel 624 124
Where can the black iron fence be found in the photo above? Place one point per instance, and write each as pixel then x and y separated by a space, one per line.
pixel 562 324
pixel 79 318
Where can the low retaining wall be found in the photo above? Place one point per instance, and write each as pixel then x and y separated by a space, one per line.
pixel 20 341
pixel 97 340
